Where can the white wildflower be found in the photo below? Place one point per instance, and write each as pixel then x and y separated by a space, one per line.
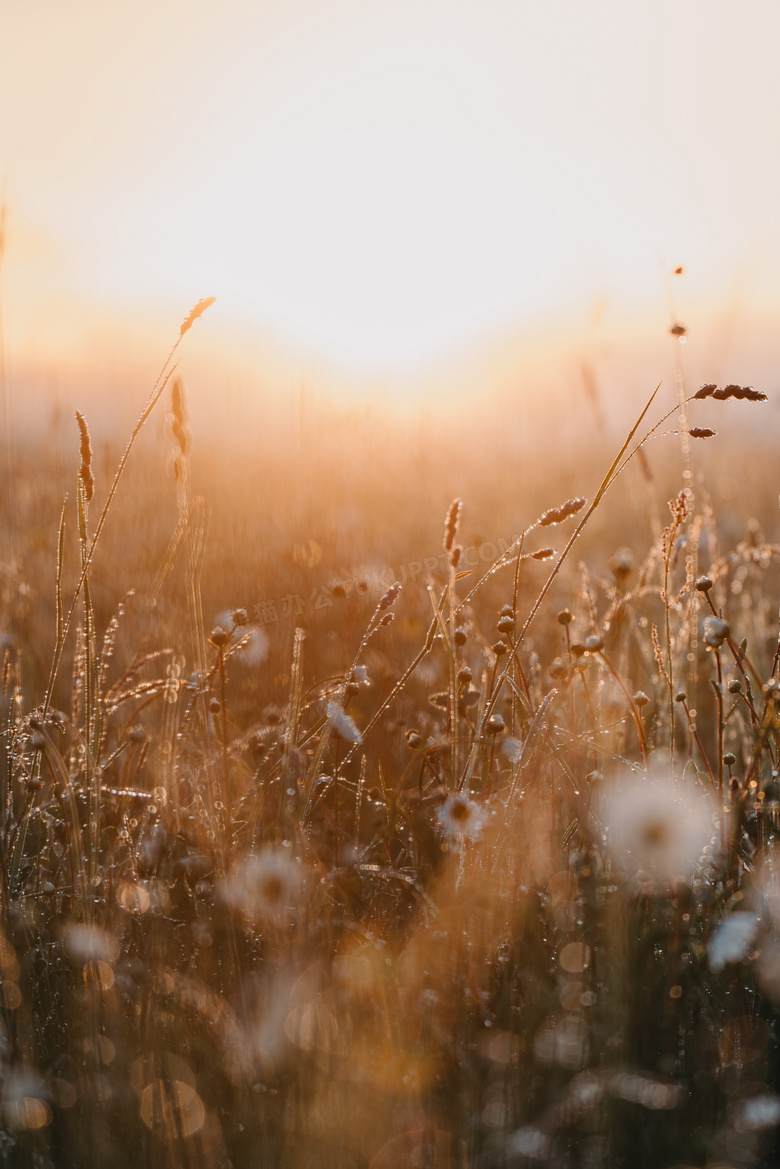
pixel 649 1093
pixel 657 824
pixel 460 817
pixel 266 887
pixel 759 1112
pixel 512 748
pixel 343 724
pixel 253 647
pixel 562 1041
pixel 90 943
pixel 733 940
pixel 530 1142
pixel 25 1100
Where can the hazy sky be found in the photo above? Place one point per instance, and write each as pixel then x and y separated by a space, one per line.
pixel 377 181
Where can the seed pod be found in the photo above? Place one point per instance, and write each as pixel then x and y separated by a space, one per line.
pixel 703 584
pixel 640 699
pixel 716 631
pixel 506 624
pixel 460 637
pixel 565 617
pixel 500 648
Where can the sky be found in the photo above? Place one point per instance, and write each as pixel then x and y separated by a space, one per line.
pixel 377 186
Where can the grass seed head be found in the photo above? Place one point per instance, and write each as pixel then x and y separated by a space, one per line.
pixel 556 515
pixel 86 477
pixel 451 524
pixel 197 311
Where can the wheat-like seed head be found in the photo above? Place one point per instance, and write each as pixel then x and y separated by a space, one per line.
pixel 85 470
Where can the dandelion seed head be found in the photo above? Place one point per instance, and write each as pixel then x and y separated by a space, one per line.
pixel 460 817
pixel 265 887
pixel 343 724
pixel 657 824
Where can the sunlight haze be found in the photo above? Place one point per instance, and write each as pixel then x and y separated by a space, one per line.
pixel 378 186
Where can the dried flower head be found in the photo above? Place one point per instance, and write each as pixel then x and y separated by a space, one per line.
pixel 716 631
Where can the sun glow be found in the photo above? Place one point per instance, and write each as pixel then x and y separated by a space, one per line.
pixel 382 244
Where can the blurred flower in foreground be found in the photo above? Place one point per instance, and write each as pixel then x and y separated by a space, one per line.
pixel 459 816
pixel 733 940
pixel 757 1112
pixel 266 887
pixel 657 824
pixel 89 943
pixel 253 648
pixel 25 1103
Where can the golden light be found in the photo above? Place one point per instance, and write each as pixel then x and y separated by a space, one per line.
pixel 382 244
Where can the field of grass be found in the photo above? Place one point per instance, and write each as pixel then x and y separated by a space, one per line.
pixel 397 795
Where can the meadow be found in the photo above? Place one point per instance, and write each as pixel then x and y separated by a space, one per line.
pixel 393 795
